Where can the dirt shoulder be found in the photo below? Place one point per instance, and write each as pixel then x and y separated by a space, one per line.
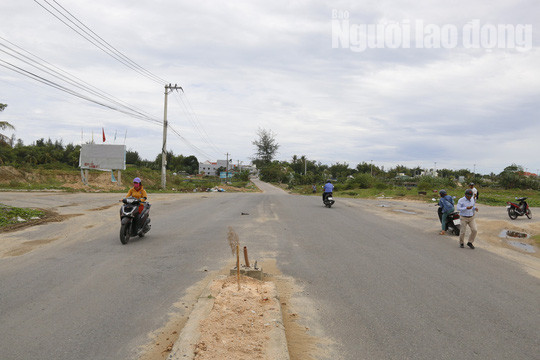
pixel 493 222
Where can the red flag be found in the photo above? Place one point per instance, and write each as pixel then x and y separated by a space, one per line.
pixel 103 131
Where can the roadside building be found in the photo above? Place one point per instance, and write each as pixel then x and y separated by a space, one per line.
pixel 211 168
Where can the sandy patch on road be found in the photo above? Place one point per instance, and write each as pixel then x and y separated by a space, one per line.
pixel 28 246
pixel 236 327
pixel 239 323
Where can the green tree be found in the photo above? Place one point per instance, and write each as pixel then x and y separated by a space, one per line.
pixel 340 170
pixel 275 172
pixel 132 157
pixel 3 126
pixel 190 165
pixel 266 147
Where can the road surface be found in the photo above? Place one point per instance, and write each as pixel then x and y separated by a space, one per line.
pixel 370 286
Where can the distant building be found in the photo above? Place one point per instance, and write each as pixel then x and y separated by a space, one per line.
pixel 430 172
pixel 211 168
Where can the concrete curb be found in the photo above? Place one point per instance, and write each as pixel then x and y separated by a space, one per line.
pixel 184 347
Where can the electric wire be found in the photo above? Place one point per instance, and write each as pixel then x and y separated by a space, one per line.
pixel 104 46
pixel 41 79
pixel 113 52
pixel 192 117
pixel 193 147
pixel 99 42
pixel 68 78
pixel 45 81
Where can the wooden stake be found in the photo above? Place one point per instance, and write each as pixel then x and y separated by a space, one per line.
pixel 246 256
pixel 238 265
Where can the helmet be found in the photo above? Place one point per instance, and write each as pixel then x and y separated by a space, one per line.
pixel 137 180
pixel 471 184
pixel 442 192
pixel 469 192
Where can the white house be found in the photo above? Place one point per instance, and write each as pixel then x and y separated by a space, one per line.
pixel 210 168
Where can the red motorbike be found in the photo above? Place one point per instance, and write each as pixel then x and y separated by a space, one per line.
pixel 515 210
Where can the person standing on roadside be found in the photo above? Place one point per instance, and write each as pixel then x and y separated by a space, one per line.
pixel 474 191
pixel 446 204
pixel 467 210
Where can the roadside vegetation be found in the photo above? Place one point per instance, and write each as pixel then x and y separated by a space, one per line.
pixel 13 215
pixel 367 180
pixel 48 164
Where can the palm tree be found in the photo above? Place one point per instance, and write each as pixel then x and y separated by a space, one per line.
pixel 4 125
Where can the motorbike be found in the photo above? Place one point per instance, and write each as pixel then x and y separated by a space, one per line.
pixel 453 222
pixel 515 210
pixel 134 222
pixel 329 200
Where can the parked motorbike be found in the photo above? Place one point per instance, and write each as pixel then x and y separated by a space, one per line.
pixel 133 221
pixel 515 210
pixel 329 200
pixel 453 222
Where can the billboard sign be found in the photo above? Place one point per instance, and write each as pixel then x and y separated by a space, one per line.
pixel 103 157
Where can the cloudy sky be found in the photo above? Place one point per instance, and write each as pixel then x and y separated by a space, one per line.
pixel 453 84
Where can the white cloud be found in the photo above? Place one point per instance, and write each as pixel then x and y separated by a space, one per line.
pixel 246 65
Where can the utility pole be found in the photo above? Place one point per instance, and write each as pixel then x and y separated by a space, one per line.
pixel 227 171
pixel 168 88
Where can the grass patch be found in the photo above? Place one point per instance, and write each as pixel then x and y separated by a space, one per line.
pixel 488 196
pixel 536 239
pixel 10 215
pixel 62 179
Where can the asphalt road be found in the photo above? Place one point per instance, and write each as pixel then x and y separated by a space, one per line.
pixel 380 289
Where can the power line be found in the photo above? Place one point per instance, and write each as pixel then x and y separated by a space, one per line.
pixel 42 80
pixel 48 69
pixel 66 77
pixel 97 41
pixel 193 147
pixel 70 20
pixel 192 117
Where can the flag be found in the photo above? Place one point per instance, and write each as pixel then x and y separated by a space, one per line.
pixel 103 131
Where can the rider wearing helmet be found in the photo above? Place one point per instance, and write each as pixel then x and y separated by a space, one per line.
pixel 446 204
pixel 328 189
pixel 137 190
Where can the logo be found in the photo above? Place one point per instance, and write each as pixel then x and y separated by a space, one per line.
pixel 417 34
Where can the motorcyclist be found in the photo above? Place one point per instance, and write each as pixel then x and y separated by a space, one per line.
pixel 446 204
pixel 138 192
pixel 328 189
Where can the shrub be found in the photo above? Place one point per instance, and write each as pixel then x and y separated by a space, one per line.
pixel 363 181
pixel 379 185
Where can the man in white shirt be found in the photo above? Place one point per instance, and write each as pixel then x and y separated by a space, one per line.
pixel 467 209
pixel 474 191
